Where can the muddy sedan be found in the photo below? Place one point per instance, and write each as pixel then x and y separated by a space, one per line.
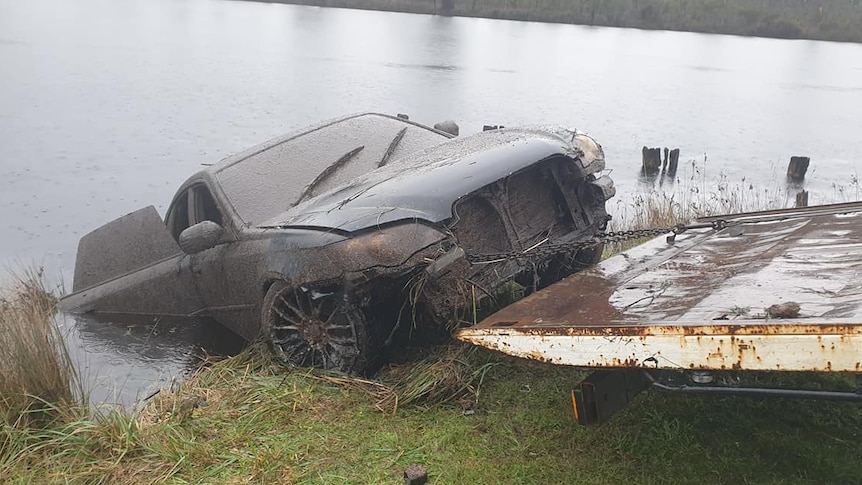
pixel 332 242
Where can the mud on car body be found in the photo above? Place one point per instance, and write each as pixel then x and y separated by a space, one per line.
pixel 330 241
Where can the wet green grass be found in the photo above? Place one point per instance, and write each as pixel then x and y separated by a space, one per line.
pixel 246 421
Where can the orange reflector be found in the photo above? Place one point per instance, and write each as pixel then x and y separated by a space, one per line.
pixel 575 406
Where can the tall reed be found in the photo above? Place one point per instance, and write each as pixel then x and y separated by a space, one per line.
pixel 665 202
pixel 36 371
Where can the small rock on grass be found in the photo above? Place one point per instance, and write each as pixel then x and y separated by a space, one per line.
pixel 415 475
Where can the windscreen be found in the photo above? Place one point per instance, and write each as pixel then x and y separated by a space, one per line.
pixel 272 181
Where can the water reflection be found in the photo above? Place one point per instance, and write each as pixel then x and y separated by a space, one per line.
pixel 125 361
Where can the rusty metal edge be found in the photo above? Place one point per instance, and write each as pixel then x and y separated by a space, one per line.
pixel 678 328
pixel 811 348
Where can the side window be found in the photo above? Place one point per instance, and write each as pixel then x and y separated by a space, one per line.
pixel 196 204
pixel 205 206
pixel 177 219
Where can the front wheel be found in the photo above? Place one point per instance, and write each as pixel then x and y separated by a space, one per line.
pixel 315 328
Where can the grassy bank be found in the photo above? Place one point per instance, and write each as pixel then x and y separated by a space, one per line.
pixel 245 421
pixel 791 19
pixel 468 415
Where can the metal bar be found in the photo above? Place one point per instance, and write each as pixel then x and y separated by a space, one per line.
pixel 759 392
pixel 826 209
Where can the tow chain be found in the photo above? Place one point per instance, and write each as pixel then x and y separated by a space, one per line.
pixel 542 251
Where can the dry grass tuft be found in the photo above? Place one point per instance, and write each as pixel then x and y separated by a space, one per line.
pixel 216 382
pixel 36 371
pixel 452 374
pixel 448 375
pixel 657 208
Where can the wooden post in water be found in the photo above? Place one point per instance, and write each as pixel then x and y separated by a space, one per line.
pixel 651 159
pixel 797 168
pixel 664 162
pixel 802 199
pixel 673 163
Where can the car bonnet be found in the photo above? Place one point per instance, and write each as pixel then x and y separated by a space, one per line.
pixel 426 184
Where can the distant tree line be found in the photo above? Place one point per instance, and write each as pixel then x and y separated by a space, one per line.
pixel 839 20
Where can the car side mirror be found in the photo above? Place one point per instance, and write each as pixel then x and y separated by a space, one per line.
pixel 200 237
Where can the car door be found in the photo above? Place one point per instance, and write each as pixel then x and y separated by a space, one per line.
pixel 133 266
pixel 226 274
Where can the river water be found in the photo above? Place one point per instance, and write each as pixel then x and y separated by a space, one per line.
pixel 107 106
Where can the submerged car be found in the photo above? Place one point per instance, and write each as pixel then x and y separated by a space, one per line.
pixel 331 241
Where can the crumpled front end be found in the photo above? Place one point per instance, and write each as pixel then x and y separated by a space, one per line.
pixel 535 227
pixel 469 249
pixel 506 239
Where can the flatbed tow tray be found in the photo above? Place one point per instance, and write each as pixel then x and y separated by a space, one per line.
pixel 700 301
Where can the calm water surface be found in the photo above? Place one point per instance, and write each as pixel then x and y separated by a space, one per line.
pixel 107 106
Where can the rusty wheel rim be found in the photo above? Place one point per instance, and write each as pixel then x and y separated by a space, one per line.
pixel 312 329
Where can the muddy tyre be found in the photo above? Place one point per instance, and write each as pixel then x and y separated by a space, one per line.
pixel 315 328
